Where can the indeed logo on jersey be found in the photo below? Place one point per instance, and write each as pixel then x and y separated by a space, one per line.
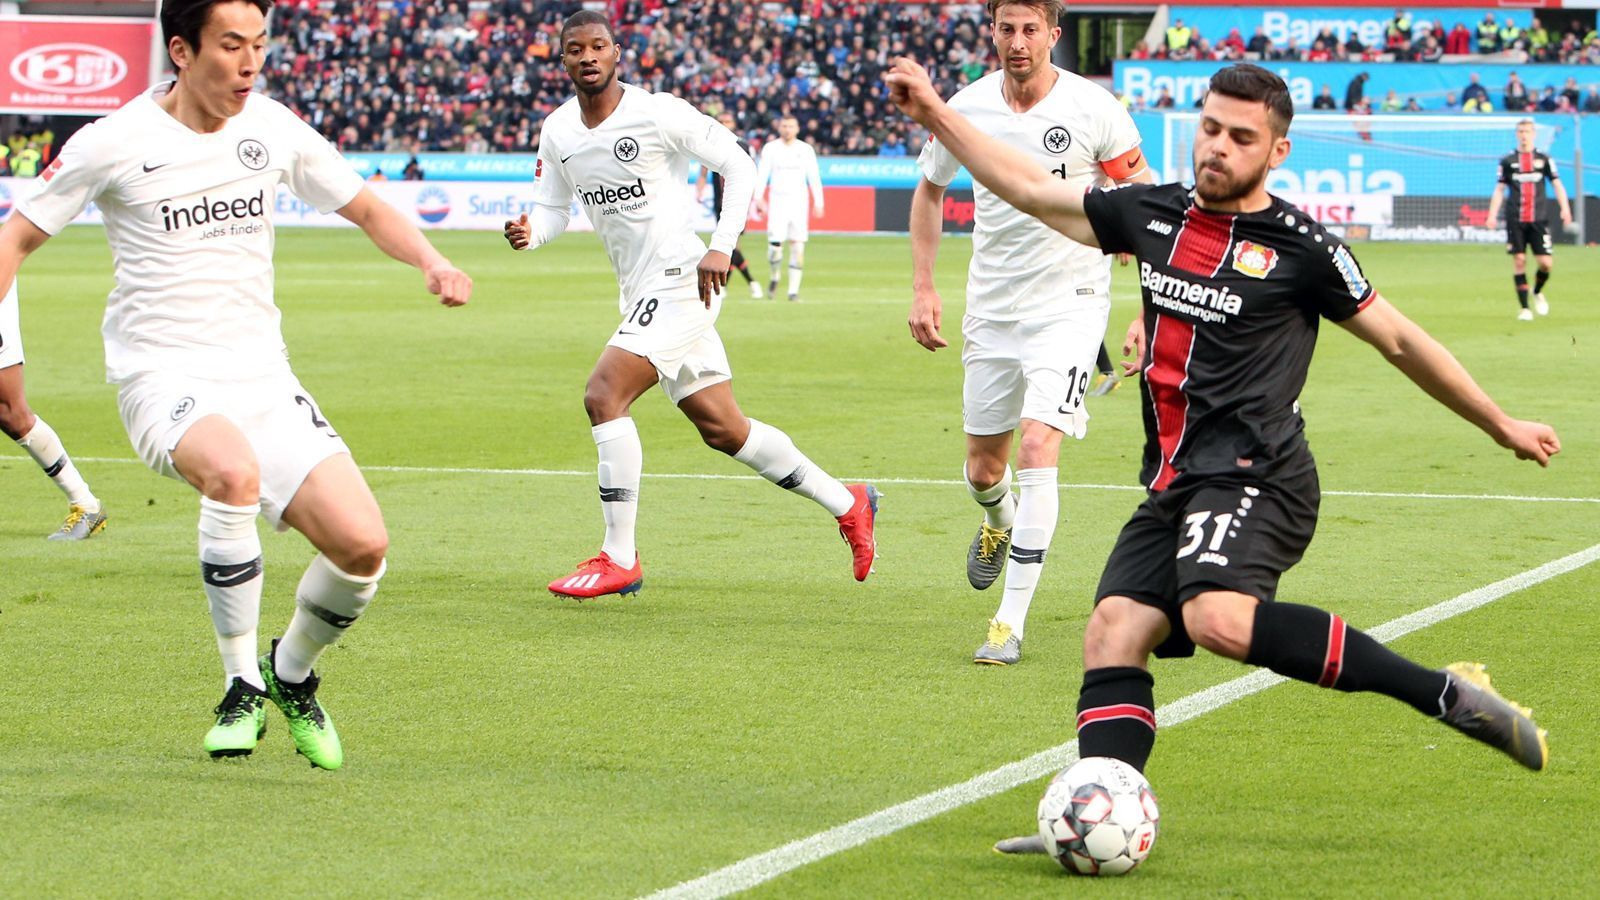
pixel 215 212
pixel 1203 302
pixel 607 195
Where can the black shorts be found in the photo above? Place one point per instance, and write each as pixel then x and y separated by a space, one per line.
pixel 1529 237
pixel 1226 535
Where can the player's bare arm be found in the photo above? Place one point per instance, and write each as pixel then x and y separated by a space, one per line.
pixel 1494 204
pixel 1427 363
pixel 1561 202
pixel 1133 345
pixel 1014 177
pixel 18 238
pixel 394 235
pixel 927 225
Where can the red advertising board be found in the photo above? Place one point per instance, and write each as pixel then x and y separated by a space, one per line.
pixel 85 65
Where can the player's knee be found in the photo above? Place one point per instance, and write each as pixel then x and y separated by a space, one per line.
pixel 722 436
pixel 984 472
pixel 1116 635
pixel 362 555
pixel 1039 448
pixel 1223 628
pixel 601 404
pixel 232 480
pixel 16 419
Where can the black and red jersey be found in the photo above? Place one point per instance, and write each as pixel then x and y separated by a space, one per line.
pixel 1525 176
pixel 1231 308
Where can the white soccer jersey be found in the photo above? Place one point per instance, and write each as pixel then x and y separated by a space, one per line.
pixel 791 170
pixel 189 220
pixel 631 175
pixel 1021 267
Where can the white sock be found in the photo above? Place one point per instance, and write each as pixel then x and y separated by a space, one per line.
pixel 770 452
pixel 621 463
pixel 1037 508
pixel 230 566
pixel 326 604
pixel 44 446
pixel 795 271
pixel 999 504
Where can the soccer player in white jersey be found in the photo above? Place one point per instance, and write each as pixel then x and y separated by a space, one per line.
pixel 787 176
pixel 1037 301
pixel 85 517
pixel 186 177
pixel 624 153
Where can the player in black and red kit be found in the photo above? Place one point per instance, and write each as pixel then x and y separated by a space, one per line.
pixel 737 260
pixel 1523 175
pixel 1235 282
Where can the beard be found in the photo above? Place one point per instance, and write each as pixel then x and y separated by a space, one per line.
pixel 1226 187
pixel 598 87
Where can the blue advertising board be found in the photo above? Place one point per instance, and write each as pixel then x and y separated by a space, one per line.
pixel 1302 24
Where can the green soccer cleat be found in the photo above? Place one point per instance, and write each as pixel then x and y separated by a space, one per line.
pixel 987 555
pixel 241 721
pixel 1480 712
pixel 79 525
pixel 309 724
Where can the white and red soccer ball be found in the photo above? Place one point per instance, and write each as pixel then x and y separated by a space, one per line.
pixel 1099 817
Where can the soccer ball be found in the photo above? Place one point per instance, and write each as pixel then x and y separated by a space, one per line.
pixel 1098 817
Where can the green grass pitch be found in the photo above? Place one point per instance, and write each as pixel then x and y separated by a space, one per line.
pixel 501 742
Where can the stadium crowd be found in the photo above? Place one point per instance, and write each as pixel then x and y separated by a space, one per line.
pixel 1406 39
pixel 438 75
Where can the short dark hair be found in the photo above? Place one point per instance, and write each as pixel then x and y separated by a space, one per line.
pixel 187 18
pixel 1246 81
pixel 1050 9
pixel 587 17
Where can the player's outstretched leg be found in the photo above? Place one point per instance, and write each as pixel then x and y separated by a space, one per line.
pixel 1317 647
pixel 774 260
pixel 986 557
pixel 85 515
pixel 1116 703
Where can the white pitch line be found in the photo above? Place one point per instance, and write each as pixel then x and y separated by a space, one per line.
pixel 938 482
pixel 764 867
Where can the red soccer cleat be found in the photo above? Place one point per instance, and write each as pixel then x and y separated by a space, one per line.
pixel 855 527
pixel 599 576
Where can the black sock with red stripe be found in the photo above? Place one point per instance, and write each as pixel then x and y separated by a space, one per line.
pixel 1539 278
pixel 1314 646
pixel 739 262
pixel 1116 714
pixel 1521 281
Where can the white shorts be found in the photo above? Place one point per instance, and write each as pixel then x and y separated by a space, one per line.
pixel 787 221
pixel 278 416
pixel 1038 369
pixel 678 334
pixel 10 330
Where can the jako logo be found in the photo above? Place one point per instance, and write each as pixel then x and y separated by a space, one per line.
pixel 433 205
pixel 69 68
pixel 207 212
pixel 5 203
pixel 604 195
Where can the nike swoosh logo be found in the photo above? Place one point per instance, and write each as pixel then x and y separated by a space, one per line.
pixel 1137 158
pixel 150 168
pixel 627 332
pixel 567 157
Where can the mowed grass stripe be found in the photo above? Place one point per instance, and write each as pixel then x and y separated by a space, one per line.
pixel 764 867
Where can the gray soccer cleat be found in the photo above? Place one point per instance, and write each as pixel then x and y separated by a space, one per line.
pixel 80 524
pixel 1107 382
pixel 1002 648
pixel 1020 845
pixel 987 555
pixel 1480 712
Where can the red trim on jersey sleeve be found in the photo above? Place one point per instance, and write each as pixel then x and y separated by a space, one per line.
pixel 1125 166
pixel 1118 711
pixel 1171 345
pixel 1371 296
